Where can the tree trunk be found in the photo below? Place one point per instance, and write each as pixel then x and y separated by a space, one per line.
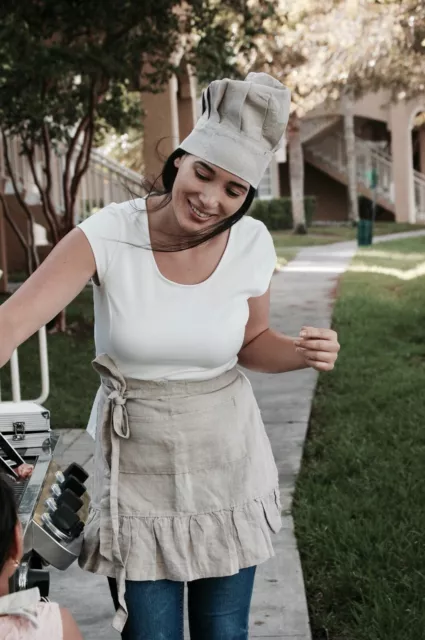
pixel 28 240
pixel 350 151
pixel 4 282
pixel 22 238
pixel 296 175
pixel 58 324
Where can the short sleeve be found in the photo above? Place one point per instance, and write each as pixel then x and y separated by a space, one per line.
pixel 20 627
pixel 264 260
pixel 103 230
pixel 50 620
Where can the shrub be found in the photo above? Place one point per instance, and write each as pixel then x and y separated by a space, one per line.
pixel 276 213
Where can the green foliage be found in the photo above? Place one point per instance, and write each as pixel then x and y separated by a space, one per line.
pixel 358 525
pixel 126 148
pixel 277 212
pixel 72 71
pixel 62 59
pixel 230 35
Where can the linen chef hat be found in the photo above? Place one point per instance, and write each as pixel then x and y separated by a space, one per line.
pixel 242 124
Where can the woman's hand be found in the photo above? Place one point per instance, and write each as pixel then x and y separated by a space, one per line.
pixel 24 471
pixel 318 347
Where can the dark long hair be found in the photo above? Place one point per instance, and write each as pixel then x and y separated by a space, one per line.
pixel 163 186
pixel 8 518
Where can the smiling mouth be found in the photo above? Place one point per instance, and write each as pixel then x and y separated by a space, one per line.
pixel 199 214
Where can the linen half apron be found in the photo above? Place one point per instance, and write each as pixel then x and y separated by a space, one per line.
pixel 185 485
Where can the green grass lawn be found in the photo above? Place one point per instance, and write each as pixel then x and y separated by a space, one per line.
pixel 396 255
pixel 73 382
pixel 287 244
pixel 358 504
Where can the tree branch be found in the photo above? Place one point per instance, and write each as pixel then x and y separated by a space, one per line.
pixel 47 156
pixel 80 159
pixel 49 217
pixel 21 202
pixel 84 125
pixel 88 135
pixel 68 159
pixel 48 170
pixel 21 238
pixel 83 159
pixel 82 166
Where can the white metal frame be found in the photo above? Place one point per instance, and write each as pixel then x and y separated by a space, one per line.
pixel 44 372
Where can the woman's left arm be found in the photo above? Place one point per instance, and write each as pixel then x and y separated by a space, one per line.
pixel 269 351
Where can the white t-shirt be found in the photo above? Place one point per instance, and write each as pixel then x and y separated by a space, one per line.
pixel 154 328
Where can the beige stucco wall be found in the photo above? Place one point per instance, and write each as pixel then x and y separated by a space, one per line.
pixel 169 116
pixel 372 105
pixel 186 102
pixel 161 127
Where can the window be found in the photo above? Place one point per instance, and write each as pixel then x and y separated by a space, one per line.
pixel 265 188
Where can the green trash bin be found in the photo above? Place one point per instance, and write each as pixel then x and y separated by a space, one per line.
pixel 364 233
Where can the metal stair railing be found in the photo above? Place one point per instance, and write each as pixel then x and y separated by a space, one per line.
pixel 331 150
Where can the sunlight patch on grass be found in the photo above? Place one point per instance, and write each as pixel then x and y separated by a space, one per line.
pixel 409 274
pixel 391 255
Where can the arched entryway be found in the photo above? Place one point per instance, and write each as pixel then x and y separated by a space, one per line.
pixel 417 128
pixel 406 143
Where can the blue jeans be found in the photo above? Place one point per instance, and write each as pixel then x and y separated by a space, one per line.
pixel 218 608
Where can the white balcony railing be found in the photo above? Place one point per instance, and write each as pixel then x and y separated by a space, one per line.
pixel 105 180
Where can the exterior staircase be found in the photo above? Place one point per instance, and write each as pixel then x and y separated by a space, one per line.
pixel 324 148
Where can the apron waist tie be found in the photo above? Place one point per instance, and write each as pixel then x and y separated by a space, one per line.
pixel 115 425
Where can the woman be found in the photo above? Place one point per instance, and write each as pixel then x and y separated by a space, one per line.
pixel 185 485
pixel 23 616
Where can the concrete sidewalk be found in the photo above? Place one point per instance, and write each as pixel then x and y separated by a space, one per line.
pixel 303 294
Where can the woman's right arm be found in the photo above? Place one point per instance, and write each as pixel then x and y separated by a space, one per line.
pixel 57 281
pixel 69 626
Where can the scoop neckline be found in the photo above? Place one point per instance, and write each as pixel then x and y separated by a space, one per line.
pixel 180 284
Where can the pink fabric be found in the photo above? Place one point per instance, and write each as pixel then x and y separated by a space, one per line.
pixel 49 620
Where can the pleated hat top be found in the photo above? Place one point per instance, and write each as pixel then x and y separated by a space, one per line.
pixel 242 125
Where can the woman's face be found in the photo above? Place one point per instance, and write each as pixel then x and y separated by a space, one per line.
pixel 204 195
